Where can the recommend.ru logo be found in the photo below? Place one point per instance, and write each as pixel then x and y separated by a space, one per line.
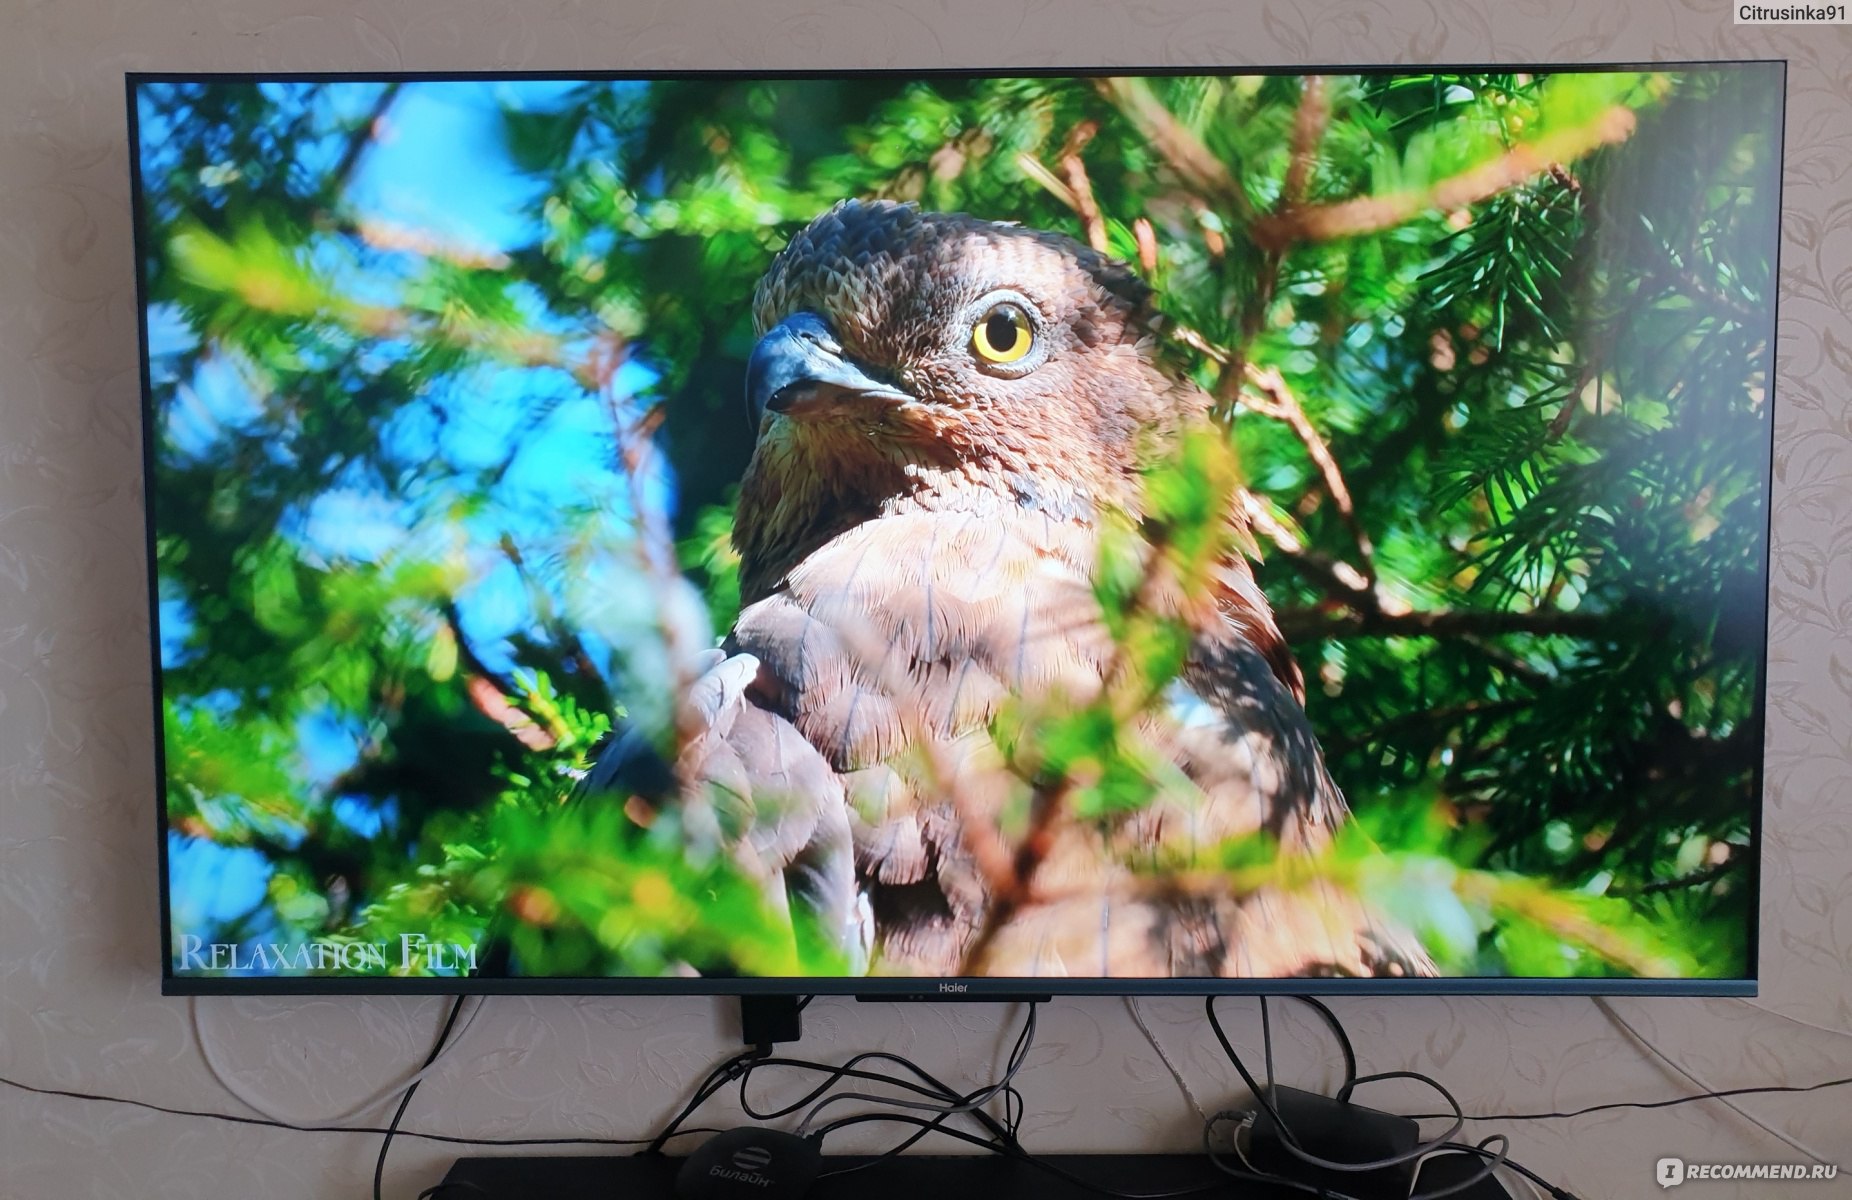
pixel 1670 1172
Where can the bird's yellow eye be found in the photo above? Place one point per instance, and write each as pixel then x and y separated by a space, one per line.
pixel 1003 334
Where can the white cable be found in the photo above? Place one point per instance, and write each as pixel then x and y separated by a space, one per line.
pixel 1138 1019
pixel 1608 1010
pixel 225 1078
pixel 1796 1020
pixel 1246 1126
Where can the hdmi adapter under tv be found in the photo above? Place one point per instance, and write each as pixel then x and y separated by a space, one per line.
pixel 1339 1132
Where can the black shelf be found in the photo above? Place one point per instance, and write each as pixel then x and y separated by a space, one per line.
pixel 909 1177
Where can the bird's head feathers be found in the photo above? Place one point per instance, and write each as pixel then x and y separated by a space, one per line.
pixel 945 359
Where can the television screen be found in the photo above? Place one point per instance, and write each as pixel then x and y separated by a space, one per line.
pixel 898 533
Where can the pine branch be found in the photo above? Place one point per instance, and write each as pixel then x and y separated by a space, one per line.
pixel 1281 405
pixel 361 139
pixel 1074 171
pixel 1177 145
pixel 1439 719
pixel 1308 624
pixel 1340 580
pixel 1703 877
pixel 1309 123
pixel 1125 695
pixel 656 556
pixel 1372 214
pixel 490 693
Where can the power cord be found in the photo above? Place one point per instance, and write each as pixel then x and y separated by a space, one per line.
pixel 392 1127
pixel 977 1099
pixel 226 1078
pixel 945 1102
pixel 1014 1109
pixel 1556 1192
pixel 1003 1135
pixel 1176 1073
pixel 1801 1021
pixel 954 1103
pixel 1674 1102
pixel 1264 1096
pixel 370 1130
pixel 1015 1153
pixel 1290 1142
pixel 1608 1011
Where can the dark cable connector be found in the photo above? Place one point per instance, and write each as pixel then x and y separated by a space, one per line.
pixel 768 1020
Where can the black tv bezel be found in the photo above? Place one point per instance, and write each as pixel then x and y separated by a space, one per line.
pixel 924 987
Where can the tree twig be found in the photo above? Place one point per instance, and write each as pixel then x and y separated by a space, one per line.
pixel 1309 122
pixel 656 555
pixel 1124 697
pixel 1442 718
pixel 363 136
pixel 1699 878
pixel 1280 404
pixel 563 635
pixel 1343 581
pixel 1074 172
pixel 1179 147
pixel 1301 624
pixel 1370 214
pixel 491 694
pixel 388 235
pixel 1146 238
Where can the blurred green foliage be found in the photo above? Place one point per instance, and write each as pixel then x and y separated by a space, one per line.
pixel 1496 353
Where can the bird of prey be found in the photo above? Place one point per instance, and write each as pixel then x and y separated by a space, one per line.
pixel 952 413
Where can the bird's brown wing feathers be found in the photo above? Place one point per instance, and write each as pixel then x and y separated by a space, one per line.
pixel 922 624
pixel 767 798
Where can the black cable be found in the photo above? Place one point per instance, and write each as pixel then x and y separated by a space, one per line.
pixel 741 1066
pixel 1215 1160
pixel 1557 1192
pixel 463 1140
pixel 938 1090
pixel 1493 1161
pixel 1017 1154
pixel 892 1151
pixel 969 1103
pixel 392 1127
pixel 1004 1135
pixel 935 1090
pixel 450 1139
pixel 1672 1103
pixel 438 1189
pixel 371 1130
pixel 1266 1045
pixel 1343 1039
pixel 1291 1143
pixel 716 1079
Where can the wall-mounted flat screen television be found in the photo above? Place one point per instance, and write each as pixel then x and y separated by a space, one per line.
pixel 896 533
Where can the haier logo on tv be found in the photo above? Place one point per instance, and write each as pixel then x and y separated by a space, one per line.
pixel 954 987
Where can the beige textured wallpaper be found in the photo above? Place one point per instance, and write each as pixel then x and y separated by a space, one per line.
pixel 79 997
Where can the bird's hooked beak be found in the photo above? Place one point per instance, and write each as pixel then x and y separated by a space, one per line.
pixel 798 370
